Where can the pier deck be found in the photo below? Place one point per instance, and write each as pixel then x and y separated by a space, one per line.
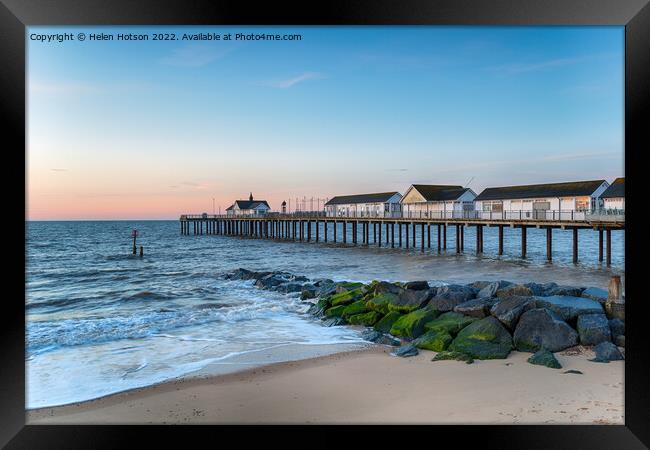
pixel 298 226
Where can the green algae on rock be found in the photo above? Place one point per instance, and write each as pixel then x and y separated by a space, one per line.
pixel 367 319
pixel 450 355
pixel 412 325
pixel 450 322
pixel 386 322
pixel 484 339
pixel 436 341
pixel 346 297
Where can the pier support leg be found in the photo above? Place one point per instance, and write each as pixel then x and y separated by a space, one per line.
pixel 325 231
pixel 523 241
pixel 609 247
pixel 549 244
pixel 387 234
pixel 428 235
pixel 600 245
pixel 413 225
pixel 374 232
pixel 379 240
pixel 422 243
pixel 575 246
pixel 406 226
pixel 439 243
pixel 478 239
pixel 335 223
pixel 500 240
pixel 400 234
pixel 457 238
pixel 367 233
pixel 345 231
pixel 462 238
pixel 392 235
pixel 354 232
pixel 444 236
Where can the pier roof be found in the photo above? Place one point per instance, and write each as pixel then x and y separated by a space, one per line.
pixel 439 192
pixel 569 189
pixel 248 204
pixel 380 197
pixel 616 189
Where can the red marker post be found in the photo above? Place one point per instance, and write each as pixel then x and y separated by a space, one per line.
pixel 134 235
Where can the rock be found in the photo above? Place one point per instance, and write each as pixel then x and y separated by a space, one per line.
pixel 479 284
pixel 335 311
pixel 406 350
pixel 606 352
pixel 491 289
pixel 358 307
pixel 346 297
pixel 333 321
pixel 412 325
pixel 308 292
pixel 541 289
pixel 289 288
pixel 545 358
pixel 483 339
pixel 367 319
pixel 478 307
pixel 417 285
pixel 449 322
pixel 615 309
pixel 433 340
pixel 455 292
pixel 345 286
pixel 541 328
pixel 326 289
pixel 509 309
pixel 379 338
pixel 577 372
pixel 569 308
pixel 593 329
pixel 447 355
pixel 381 301
pixel 514 289
pixel 620 341
pixel 319 282
pixel 384 287
pixel 567 291
pixel 410 300
pixel 269 281
pixel 617 327
pixel 240 274
pixel 594 293
pixel 386 323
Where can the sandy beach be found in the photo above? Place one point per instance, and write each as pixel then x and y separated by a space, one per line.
pixel 371 386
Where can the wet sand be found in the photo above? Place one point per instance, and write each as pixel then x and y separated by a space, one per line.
pixel 370 386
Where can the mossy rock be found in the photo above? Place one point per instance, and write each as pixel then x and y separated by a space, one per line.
pixel 545 358
pixel 450 355
pixel 434 340
pixel 367 319
pixel 347 297
pixel 358 307
pixel 335 311
pixel 412 325
pixel 381 302
pixel 346 286
pixel 450 322
pixel 386 322
pixel 484 339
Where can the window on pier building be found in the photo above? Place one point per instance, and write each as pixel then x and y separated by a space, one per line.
pixel 582 203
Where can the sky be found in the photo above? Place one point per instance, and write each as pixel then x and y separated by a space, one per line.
pixel 155 129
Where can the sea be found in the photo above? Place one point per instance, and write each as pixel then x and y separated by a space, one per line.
pixel 100 320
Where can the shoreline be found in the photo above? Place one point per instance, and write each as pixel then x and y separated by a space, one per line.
pixel 370 386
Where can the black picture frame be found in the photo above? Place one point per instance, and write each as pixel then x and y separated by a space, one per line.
pixel 15 15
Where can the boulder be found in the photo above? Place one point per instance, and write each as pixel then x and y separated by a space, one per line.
pixel 514 289
pixel 620 341
pixel 346 297
pixel 455 292
pixel 545 358
pixel 269 281
pixel 478 307
pixel 366 319
pixel 458 356
pixel 240 274
pixel 406 350
pixel 345 286
pixel 509 309
pixel 386 323
pixel 615 309
pixel 319 282
pixel 289 288
pixel 335 311
pixel 483 339
pixel 298 278
pixel 567 291
pixel 410 300
pixel 541 289
pixel 379 302
pixel 594 293
pixel 379 338
pixel 412 325
pixel 617 327
pixel 417 285
pixel 319 307
pixel 569 308
pixel 606 352
pixel 433 340
pixel 358 307
pixel 384 287
pixel 479 284
pixel 449 322
pixel 326 289
pixel 308 292
pixel 491 289
pixel 541 328
pixel 593 329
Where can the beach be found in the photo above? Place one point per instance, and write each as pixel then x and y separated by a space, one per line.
pixel 371 387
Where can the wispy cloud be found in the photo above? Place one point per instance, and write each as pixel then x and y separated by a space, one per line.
pixel 290 82
pixel 537 66
pixel 196 55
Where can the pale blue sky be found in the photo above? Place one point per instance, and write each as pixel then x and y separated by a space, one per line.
pixel 155 129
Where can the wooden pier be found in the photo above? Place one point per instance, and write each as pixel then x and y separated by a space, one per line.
pixel 298 227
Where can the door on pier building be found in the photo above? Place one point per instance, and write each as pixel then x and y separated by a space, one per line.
pixel 540 209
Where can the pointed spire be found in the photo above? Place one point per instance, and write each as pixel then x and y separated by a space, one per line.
pixel 251 197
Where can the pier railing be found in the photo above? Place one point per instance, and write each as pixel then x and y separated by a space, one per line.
pixel 601 215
